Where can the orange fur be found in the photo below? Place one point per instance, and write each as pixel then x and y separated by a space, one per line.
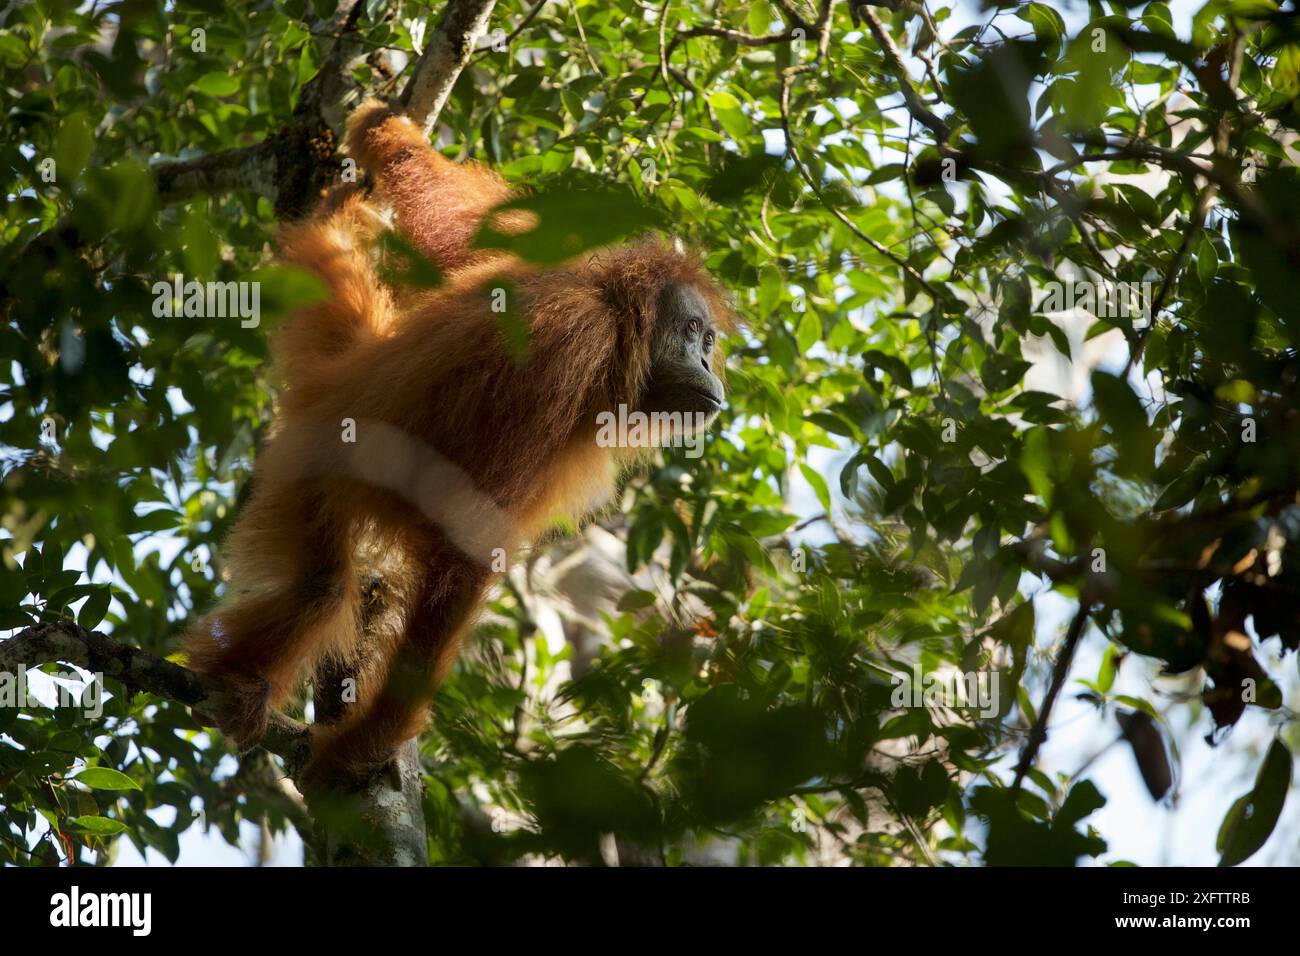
pixel 446 422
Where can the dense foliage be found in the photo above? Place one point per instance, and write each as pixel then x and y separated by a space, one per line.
pixel 891 200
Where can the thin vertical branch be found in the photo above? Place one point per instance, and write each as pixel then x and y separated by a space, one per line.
pixel 445 55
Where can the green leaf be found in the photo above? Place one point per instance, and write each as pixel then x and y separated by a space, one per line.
pixel 216 84
pixel 286 288
pixel 1207 259
pixel 1036 462
pixel 1123 413
pixel 809 332
pixel 570 223
pixel 96 606
pixel 732 117
pixel 701 133
pixel 96 826
pixel 1251 820
pixel 1185 487
pixel 162 519
pixel 105 778
pixel 1109 667
pixel 13 51
pixel 819 486
pixel 1047 23
pixel 636 600
pixel 1237 390
pixel 73 147
pixel 309 63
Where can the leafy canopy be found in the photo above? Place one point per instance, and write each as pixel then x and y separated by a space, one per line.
pixel 893 200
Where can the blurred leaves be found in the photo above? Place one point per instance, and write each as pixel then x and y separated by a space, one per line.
pixel 1251 820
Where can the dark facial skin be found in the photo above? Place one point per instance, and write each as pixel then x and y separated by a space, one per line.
pixel 681 378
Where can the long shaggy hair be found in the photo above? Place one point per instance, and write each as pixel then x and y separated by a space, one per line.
pixel 407 418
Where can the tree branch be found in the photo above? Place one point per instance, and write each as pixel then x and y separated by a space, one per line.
pixel 735 36
pixel 278 167
pixel 247 167
pixel 793 14
pixel 915 105
pixel 445 55
pixel 1038 733
pixel 381 824
pixel 519 28
pixel 137 669
pixel 787 77
pixel 1222 140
